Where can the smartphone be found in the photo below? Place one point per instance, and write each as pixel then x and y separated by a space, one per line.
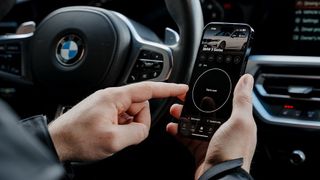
pixel 221 60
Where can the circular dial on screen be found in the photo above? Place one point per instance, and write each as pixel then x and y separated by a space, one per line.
pixel 211 90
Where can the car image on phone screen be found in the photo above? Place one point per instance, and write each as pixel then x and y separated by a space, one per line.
pixel 221 60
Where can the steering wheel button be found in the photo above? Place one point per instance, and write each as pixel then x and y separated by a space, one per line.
pixel 158 66
pixel 155 74
pixel 201 129
pixel 156 56
pixel 148 64
pixel 133 78
pixel 144 76
pixel 145 54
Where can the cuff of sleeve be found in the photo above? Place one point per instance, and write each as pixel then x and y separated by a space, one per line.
pixel 38 126
pixel 226 168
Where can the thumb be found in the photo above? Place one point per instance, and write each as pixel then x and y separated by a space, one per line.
pixel 242 98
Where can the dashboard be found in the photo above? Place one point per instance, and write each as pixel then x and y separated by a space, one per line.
pixel 287 27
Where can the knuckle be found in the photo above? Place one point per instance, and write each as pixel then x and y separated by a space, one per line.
pixel 117 92
pixel 254 125
pixel 118 96
pixel 146 104
pixel 104 94
pixel 99 93
pixel 113 147
pixel 141 135
pixel 121 107
pixel 243 99
pixel 111 137
pixel 245 123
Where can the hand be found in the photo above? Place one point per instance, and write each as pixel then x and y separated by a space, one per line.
pixel 236 138
pixel 108 120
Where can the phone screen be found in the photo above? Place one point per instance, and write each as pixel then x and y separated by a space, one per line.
pixel 220 62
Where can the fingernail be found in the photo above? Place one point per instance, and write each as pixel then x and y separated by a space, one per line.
pixel 248 81
pixel 184 86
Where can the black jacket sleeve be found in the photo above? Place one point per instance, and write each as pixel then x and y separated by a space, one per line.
pixel 22 155
pixel 37 126
pixel 228 170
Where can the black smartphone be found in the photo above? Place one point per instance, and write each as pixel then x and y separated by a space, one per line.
pixel 221 60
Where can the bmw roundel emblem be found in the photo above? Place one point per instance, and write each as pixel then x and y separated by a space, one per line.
pixel 70 50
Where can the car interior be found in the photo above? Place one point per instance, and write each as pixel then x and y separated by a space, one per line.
pixel 128 41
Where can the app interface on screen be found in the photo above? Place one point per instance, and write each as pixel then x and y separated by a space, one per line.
pixel 216 71
pixel 306 30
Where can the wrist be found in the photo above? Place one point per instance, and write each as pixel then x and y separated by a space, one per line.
pixel 208 164
pixel 230 169
pixel 199 171
pixel 58 139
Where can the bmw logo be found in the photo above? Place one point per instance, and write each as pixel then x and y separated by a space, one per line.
pixel 70 50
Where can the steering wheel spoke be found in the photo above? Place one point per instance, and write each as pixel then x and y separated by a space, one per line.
pixel 150 60
pixel 14 59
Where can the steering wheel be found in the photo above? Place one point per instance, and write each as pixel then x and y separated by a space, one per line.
pixel 77 50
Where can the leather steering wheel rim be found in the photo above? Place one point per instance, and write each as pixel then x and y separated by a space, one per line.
pixel 188 16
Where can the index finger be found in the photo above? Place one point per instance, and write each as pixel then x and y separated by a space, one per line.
pixel 140 92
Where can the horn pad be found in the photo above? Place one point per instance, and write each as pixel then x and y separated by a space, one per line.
pixel 77 47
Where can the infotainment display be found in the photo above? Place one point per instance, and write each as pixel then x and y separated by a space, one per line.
pixel 289 27
pixel 306 27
